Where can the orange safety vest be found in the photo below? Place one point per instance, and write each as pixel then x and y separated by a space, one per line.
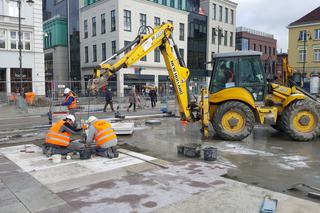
pixel 104 132
pixel 56 137
pixel 73 105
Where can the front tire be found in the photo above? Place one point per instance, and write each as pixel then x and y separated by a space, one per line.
pixel 301 120
pixel 233 120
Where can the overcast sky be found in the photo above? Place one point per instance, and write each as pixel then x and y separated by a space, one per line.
pixel 273 16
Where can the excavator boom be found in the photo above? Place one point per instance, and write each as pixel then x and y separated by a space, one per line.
pixel 159 37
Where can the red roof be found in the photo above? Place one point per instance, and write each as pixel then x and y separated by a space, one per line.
pixel 313 16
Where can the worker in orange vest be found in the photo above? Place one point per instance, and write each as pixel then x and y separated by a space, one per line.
pixel 58 139
pixel 70 101
pixel 102 135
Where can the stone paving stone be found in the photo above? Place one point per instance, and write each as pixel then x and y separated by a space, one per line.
pixel 6 197
pixel 14 208
pixel 65 208
pixel 42 199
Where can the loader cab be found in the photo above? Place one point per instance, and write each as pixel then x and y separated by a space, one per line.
pixel 239 69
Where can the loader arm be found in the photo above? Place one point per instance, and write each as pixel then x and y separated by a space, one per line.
pixel 159 37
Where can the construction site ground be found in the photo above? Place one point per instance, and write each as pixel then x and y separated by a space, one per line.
pixel 266 163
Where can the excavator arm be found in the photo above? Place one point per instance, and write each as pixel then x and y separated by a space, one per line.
pixel 159 37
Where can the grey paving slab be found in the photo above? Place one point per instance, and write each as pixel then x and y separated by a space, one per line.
pixel 19 182
pixel 6 196
pixel 14 208
pixel 61 209
pixel 38 198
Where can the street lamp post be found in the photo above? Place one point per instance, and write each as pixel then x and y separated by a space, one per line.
pixel 305 37
pixel 219 33
pixel 19 2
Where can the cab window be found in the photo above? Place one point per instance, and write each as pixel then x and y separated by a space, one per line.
pixel 224 75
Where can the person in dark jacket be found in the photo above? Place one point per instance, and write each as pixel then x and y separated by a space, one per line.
pixel 153 97
pixel 108 100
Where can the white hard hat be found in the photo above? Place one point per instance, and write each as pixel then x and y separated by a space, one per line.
pixel 91 119
pixel 71 117
pixel 66 91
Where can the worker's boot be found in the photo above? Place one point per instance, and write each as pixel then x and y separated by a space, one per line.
pixel 115 151
pixel 110 153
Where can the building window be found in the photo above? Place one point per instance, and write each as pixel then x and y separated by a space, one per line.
pixel 26 40
pixel 103 23
pixel 180 4
pixel 274 51
pixel 213 36
pixel 225 38
pixel 85 28
pixel 302 55
pixel 219 36
pixel 269 50
pixel 220 13
pixel 156 21
pixel 231 39
pixel 316 54
pixel 254 46
pixel 14 40
pixel 157 55
pixel 113 20
pixel 113 47
pixel 232 17
pixel 226 15
pixel 94 53
pixel 260 48
pixel 242 44
pixel 86 55
pixel 214 8
pixel 103 50
pixel 181 36
pixel 13 8
pixel 126 43
pixel 172 3
pixel 164 2
pixel 94 26
pixel 181 51
pixel 143 22
pixel 2 39
pixel 317 34
pixel 302 35
pixel 143 58
pixel 265 49
pixel 127 20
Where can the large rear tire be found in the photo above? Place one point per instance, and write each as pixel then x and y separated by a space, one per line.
pixel 233 120
pixel 300 120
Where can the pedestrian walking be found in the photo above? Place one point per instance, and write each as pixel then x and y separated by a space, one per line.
pixel 153 97
pixel 108 100
pixel 132 99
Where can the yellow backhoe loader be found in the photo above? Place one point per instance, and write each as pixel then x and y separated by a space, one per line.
pixel 239 94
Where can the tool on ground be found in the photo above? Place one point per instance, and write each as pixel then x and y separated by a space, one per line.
pixel 268 205
pixel 147 161
pixel 240 94
pixel 25 149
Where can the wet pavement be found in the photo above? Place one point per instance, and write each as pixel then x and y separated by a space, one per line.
pixel 267 158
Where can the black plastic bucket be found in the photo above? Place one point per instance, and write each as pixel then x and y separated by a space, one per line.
pixel 191 151
pixel 85 154
pixel 210 153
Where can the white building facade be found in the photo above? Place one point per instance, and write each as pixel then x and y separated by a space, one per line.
pixel 32 48
pixel 107 25
pixel 221 34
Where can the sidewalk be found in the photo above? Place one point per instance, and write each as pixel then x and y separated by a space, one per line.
pixel 127 184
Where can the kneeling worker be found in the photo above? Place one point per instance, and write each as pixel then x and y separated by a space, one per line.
pixel 102 134
pixel 58 138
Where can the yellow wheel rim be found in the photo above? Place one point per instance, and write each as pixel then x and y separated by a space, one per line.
pixel 233 121
pixel 304 121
